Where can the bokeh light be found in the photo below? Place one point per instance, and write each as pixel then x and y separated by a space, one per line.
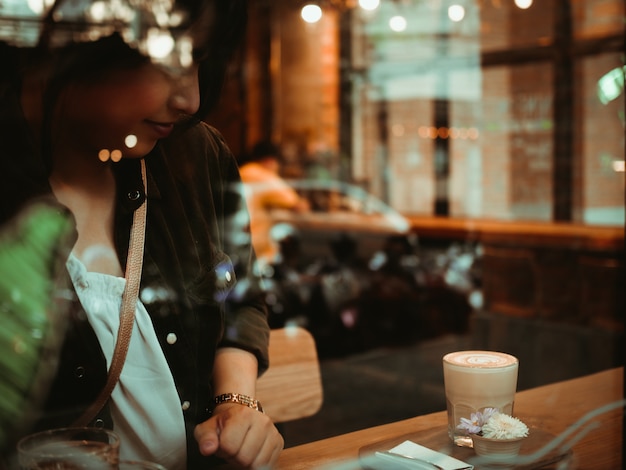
pixel 159 43
pixel 39 6
pixel 104 155
pixel 369 4
pixel 398 23
pixel 311 13
pixel 130 141
pixel 523 4
pixel 116 155
pixel 456 13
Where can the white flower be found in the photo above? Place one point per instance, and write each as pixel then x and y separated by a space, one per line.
pixel 502 426
pixel 474 424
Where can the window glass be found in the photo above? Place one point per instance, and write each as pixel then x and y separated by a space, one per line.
pixel 496 129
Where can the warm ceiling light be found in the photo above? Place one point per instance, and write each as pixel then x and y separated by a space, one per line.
pixel 311 13
pixel 523 4
pixel 369 4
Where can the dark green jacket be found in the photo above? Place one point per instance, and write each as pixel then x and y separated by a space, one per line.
pixel 195 235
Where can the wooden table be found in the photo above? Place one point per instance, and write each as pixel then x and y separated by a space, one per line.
pixel 551 408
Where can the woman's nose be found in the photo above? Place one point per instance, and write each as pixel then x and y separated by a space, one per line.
pixel 185 96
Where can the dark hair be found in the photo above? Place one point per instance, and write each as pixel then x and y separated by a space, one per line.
pixel 227 36
pixel 84 61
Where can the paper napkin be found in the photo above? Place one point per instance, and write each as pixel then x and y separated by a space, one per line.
pixel 411 449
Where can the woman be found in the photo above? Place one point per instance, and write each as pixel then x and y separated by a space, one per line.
pixel 88 91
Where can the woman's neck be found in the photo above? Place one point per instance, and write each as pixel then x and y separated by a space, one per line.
pixel 83 173
pixel 90 195
pixel 88 190
pixel 81 182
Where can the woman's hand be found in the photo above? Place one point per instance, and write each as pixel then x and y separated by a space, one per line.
pixel 241 436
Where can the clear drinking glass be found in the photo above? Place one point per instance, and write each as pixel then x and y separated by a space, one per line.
pixel 69 449
pixel 475 380
pixel 139 465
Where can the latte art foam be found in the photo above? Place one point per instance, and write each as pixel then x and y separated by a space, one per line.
pixel 480 359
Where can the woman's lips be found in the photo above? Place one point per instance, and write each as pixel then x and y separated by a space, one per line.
pixel 162 129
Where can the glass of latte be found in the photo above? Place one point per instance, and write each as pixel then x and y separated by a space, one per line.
pixel 475 380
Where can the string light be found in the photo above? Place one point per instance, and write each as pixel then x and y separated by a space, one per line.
pixel 463 133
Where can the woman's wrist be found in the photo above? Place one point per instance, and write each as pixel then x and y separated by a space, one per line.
pixel 240 399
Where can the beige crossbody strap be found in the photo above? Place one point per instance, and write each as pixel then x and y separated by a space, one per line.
pixel 134 264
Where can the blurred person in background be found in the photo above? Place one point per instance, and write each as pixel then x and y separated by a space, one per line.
pixel 87 97
pixel 265 191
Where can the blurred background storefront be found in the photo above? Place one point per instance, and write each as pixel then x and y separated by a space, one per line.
pixel 496 127
pixel 466 108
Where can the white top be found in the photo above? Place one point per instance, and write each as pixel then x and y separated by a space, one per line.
pixel 145 406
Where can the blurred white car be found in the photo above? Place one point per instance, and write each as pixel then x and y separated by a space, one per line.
pixel 338 212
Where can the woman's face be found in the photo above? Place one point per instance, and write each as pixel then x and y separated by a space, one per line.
pixel 127 110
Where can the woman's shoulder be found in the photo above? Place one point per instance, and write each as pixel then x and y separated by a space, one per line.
pixel 203 130
pixel 200 141
pixel 197 153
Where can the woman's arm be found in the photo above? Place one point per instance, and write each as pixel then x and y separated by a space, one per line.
pixel 235 371
pixel 237 433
